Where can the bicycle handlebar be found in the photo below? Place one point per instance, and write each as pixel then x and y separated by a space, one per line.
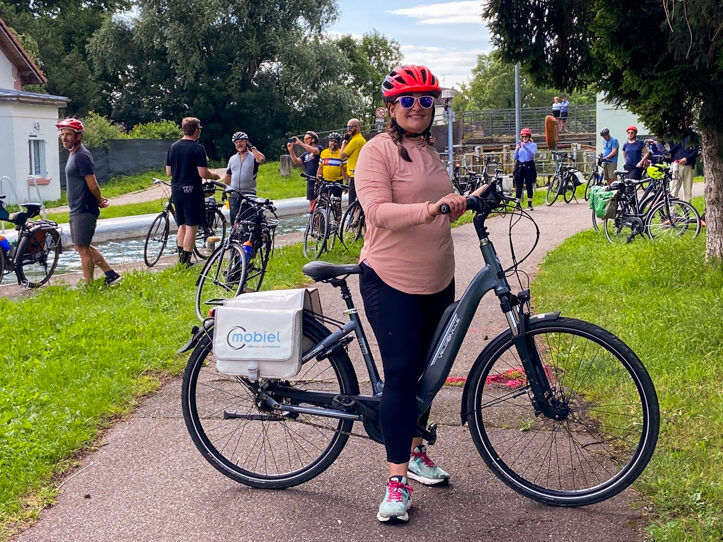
pixel 160 181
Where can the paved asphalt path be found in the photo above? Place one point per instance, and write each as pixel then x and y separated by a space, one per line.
pixel 147 481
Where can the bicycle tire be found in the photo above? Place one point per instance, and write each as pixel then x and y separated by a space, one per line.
pixel 216 229
pixel 352 223
pixel 34 268
pixel 284 449
pixel 334 226
pixel 256 267
pixel 569 189
pixel 156 239
pixel 600 446
pixel 596 221
pixel 623 228
pixel 677 219
pixel 2 265
pixel 222 277
pixel 315 234
pixel 553 190
pixel 592 180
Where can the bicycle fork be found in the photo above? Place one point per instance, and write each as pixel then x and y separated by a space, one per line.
pixel 542 394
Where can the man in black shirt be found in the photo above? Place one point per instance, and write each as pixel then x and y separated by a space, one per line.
pixel 186 164
pixel 84 200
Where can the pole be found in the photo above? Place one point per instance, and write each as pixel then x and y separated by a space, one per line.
pixel 449 114
pixel 518 102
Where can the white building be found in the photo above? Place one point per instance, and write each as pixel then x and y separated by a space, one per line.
pixel 29 153
pixel 615 119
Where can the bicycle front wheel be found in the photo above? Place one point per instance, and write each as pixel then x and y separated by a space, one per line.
pixel 221 278
pixel 596 222
pixel 592 180
pixel 211 235
pixel 609 420
pixel 315 234
pixel 675 219
pixel 37 256
pixel 256 268
pixel 352 224
pixel 569 190
pixel 258 446
pixel 156 240
pixel 553 190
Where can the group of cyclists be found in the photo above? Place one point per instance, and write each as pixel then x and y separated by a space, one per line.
pixel 336 163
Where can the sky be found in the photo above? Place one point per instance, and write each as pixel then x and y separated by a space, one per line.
pixel 444 36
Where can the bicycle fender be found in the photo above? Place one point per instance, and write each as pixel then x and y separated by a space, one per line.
pixel 197 333
pixel 486 352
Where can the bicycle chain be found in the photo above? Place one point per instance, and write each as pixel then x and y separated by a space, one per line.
pixel 348 433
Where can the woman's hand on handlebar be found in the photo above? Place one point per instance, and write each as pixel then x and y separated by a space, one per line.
pixel 457 206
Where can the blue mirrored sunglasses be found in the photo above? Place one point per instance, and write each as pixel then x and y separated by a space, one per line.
pixel 425 102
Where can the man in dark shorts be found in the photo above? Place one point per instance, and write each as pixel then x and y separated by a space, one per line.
pixel 309 159
pixel 186 163
pixel 84 200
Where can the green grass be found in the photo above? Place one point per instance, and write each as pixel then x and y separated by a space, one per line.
pixel 269 185
pixel 667 305
pixel 74 360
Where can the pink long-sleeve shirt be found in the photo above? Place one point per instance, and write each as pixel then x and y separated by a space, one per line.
pixel 408 248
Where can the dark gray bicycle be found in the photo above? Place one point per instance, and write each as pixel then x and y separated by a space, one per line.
pixel 560 410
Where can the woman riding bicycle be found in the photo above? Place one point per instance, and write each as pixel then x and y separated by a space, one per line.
pixel 407 261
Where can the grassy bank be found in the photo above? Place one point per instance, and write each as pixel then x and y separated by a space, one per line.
pixel 74 360
pixel 269 185
pixel 667 304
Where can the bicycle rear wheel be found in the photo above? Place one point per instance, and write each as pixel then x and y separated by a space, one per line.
pixel 609 424
pixel 592 180
pixel 221 278
pixel 623 228
pixel 211 235
pixel 676 219
pixel 156 240
pixel 596 222
pixel 352 224
pixel 37 256
pixel 315 234
pixel 553 190
pixel 256 268
pixel 259 446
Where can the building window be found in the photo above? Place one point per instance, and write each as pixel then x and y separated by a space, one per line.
pixel 36 148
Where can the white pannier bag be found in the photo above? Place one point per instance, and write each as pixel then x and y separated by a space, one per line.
pixel 259 334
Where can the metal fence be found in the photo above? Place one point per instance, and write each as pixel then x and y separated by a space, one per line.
pixel 501 122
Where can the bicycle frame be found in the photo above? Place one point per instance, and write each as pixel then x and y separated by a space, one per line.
pixel 447 341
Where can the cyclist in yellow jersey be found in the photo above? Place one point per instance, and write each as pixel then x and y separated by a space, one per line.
pixel 330 162
pixel 353 142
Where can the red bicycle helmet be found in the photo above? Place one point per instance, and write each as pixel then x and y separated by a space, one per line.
pixel 526 131
pixel 407 79
pixel 632 127
pixel 73 124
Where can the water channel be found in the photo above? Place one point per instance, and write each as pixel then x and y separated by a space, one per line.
pixel 131 250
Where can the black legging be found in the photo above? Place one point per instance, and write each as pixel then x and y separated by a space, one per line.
pixel 403 325
pixel 525 173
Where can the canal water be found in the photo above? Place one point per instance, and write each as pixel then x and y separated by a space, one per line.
pixel 131 250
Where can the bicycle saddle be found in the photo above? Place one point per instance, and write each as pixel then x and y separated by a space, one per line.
pixel 324 271
pixel 32 209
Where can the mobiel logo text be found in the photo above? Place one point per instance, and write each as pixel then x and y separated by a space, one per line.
pixel 239 338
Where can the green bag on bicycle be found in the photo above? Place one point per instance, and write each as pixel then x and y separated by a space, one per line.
pixel 602 201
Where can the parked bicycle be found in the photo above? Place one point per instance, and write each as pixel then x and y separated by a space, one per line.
pixel 651 192
pixel 657 214
pixel 35 255
pixel 565 180
pixel 596 176
pixel 207 236
pixel 466 181
pixel 324 224
pixel 561 410
pixel 353 224
pixel 239 262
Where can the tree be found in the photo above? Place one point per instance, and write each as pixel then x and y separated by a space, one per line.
pixel 493 87
pixel 58 32
pixel 234 64
pixel 662 59
pixel 371 59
